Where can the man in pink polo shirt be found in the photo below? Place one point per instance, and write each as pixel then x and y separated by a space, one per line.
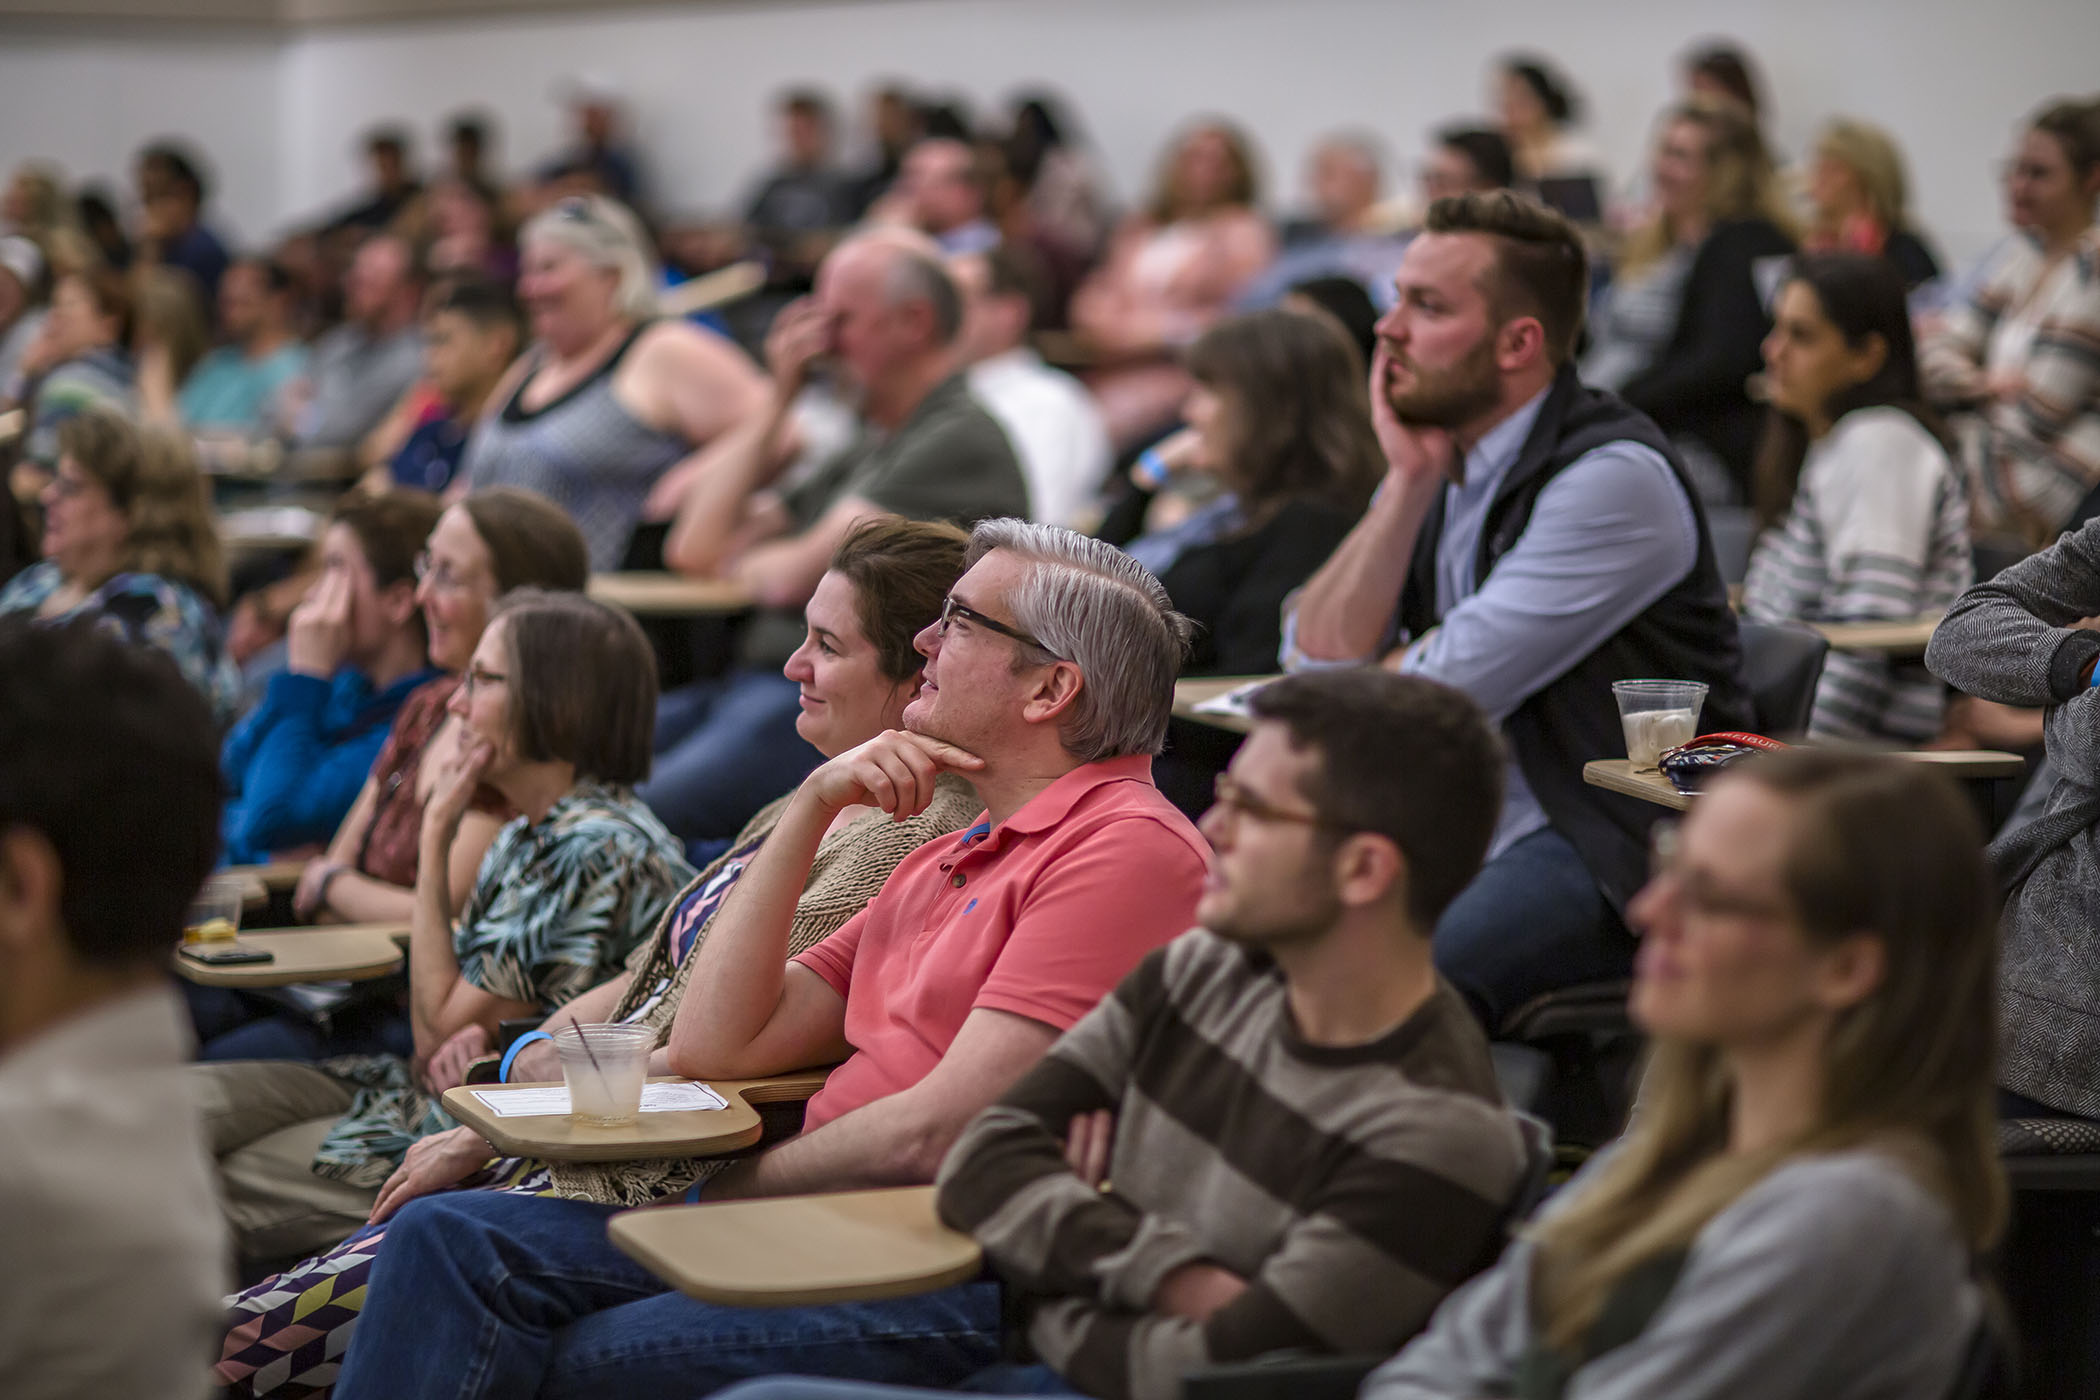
pixel 1048 684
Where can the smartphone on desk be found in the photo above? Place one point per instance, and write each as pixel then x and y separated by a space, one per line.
pixel 234 954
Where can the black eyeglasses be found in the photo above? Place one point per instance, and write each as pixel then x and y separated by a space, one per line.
pixel 476 678
pixel 952 608
pixel 575 210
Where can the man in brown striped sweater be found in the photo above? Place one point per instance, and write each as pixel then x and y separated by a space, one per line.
pixel 1307 1148
pixel 1282 1129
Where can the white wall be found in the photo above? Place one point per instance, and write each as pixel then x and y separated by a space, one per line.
pixel 89 100
pixel 281 117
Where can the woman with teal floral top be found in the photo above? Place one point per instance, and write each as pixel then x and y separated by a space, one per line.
pixel 129 541
pixel 556 713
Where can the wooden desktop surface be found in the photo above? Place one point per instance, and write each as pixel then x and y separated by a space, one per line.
pixel 1619 774
pixel 324 953
pixel 850 1246
pixel 558 1137
pixel 669 595
pixel 1195 691
pixel 1903 640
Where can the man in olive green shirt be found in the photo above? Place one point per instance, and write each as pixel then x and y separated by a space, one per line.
pixel 885 315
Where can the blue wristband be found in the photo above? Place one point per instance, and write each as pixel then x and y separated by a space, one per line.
pixel 503 1070
pixel 1152 469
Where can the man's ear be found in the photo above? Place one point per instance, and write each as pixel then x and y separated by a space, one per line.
pixel 1521 340
pixel 31 884
pixel 1056 688
pixel 1367 869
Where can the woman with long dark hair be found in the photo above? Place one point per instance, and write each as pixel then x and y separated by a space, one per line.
pixel 1278 419
pixel 1869 519
pixel 1279 423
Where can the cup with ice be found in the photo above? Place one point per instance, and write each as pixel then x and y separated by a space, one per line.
pixel 605 1066
pixel 1657 715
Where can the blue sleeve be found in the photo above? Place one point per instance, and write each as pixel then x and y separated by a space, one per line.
pixel 1608 538
pixel 295 785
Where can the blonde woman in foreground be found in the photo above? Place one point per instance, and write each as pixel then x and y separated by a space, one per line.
pixel 1796 1207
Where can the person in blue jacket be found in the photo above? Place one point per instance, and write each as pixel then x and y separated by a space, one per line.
pixel 355 649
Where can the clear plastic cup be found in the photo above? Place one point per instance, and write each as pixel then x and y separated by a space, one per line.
pixel 215 914
pixel 605 1066
pixel 1658 715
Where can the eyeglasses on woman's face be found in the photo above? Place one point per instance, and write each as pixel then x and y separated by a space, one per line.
pixel 480 678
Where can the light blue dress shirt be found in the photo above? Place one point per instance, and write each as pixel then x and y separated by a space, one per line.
pixel 1607 539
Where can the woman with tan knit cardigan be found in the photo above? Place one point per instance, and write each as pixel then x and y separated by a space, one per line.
pixel 857 670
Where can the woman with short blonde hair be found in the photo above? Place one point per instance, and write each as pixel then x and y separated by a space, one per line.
pixel 610 409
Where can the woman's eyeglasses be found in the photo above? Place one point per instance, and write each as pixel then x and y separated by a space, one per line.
pixel 438 575
pixel 478 678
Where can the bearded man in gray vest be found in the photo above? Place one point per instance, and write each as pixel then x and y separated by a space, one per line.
pixel 1533 542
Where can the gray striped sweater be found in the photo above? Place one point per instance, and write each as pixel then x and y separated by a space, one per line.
pixel 1879 530
pixel 1353 1188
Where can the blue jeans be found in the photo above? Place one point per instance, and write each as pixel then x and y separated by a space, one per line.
pixel 236 1025
pixel 1533 921
pixel 724 749
pixel 488 1293
pixel 999 1380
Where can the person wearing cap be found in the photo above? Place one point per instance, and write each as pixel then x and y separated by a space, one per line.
pixel 22 308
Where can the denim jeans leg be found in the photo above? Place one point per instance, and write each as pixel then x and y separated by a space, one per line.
pixel 715 774
pixel 1532 921
pixel 816 1388
pixel 471 1289
pixel 675 1347
pixel 999 1380
pixel 681 711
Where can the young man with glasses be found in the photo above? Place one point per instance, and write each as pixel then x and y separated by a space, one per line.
pixel 1048 682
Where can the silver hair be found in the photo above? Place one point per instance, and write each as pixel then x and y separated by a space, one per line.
pixel 1095 606
pixel 606 234
pixel 917 276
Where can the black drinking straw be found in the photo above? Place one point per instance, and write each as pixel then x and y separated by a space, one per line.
pixel 584 1036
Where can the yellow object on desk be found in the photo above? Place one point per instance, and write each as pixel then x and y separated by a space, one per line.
pixel 790 1251
pixel 670 595
pixel 334 953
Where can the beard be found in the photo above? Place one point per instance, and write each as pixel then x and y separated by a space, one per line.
pixel 1302 919
pixel 1450 397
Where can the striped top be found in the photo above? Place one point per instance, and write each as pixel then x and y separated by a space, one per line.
pixel 1878 531
pixel 2031 458
pixel 1353 1188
